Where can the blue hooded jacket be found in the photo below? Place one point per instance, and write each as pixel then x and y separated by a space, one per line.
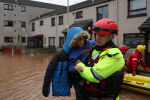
pixel 57 70
pixel 79 53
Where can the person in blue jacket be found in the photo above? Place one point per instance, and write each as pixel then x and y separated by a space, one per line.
pixel 57 70
pixel 80 47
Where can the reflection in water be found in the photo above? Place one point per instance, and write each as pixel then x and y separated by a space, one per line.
pixel 21 78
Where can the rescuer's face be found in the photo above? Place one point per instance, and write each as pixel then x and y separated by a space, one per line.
pixel 102 39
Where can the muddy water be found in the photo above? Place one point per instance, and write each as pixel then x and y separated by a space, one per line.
pixel 21 78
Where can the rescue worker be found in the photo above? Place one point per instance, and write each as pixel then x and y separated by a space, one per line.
pixel 135 59
pixel 123 49
pixel 103 66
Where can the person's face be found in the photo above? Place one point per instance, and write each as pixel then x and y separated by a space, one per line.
pixel 123 52
pixel 80 43
pixel 102 39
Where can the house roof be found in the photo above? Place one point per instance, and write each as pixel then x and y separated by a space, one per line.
pixel 34 4
pixel 83 24
pixel 145 26
pixel 77 6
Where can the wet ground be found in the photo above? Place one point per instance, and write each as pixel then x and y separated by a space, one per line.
pixel 21 78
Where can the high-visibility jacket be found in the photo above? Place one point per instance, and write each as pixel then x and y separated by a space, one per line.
pixel 134 60
pixel 110 61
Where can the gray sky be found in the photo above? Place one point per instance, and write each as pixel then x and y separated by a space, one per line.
pixel 60 2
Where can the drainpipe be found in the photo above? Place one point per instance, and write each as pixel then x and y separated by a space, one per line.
pixel 67 15
pixel 117 19
pixel 57 39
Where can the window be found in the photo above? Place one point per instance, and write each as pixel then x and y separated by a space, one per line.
pixel 8 39
pixel 102 12
pixel 23 39
pixel 61 41
pixel 79 14
pixel 60 20
pixel 52 21
pixel 133 39
pixel 23 24
pixel 8 23
pixel 8 7
pixel 23 9
pixel 41 22
pixel 137 8
pixel 51 41
pixel 33 26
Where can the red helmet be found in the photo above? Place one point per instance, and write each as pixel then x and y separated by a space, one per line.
pixel 123 47
pixel 105 26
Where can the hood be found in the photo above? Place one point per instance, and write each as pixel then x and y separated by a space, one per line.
pixel 82 35
pixel 71 33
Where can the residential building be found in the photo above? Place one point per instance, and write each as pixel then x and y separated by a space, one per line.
pixel 14 19
pixel 129 14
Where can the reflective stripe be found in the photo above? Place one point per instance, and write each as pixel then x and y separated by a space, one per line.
pixel 95 56
pixel 134 58
pixel 96 75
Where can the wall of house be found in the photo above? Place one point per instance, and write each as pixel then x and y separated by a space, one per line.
pixel 50 31
pixel 129 25
pixel 17 16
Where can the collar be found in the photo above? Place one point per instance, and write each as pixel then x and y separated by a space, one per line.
pixel 108 44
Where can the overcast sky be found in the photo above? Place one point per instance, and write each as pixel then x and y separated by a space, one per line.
pixel 60 2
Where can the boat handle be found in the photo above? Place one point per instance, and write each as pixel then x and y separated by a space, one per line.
pixel 127 81
pixel 139 83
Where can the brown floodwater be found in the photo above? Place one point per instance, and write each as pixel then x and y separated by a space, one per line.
pixel 21 78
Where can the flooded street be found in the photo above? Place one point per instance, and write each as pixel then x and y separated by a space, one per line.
pixel 21 78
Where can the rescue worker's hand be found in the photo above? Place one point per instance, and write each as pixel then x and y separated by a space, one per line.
pixel 124 67
pixel 133 73
pixel 77 62
pixel 145 69
pixel 78 68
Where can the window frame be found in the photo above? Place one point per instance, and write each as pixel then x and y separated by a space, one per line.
pixel 33 27
pixel 78 13
pixel 136 15
pixel 9 23
pixel 102 7
pixel 23 39
pixel 8 40
pixel 61 41
pixel 53 21
pixel 9 5
pixel 41 23
pixel 23 10
pixel 23 24
pixel 53 42
pixel 137 35
pixel 61 20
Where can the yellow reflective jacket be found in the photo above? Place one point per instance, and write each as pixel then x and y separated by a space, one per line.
pixel 110 61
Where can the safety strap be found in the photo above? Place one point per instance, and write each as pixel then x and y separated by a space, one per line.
pixel 96 56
